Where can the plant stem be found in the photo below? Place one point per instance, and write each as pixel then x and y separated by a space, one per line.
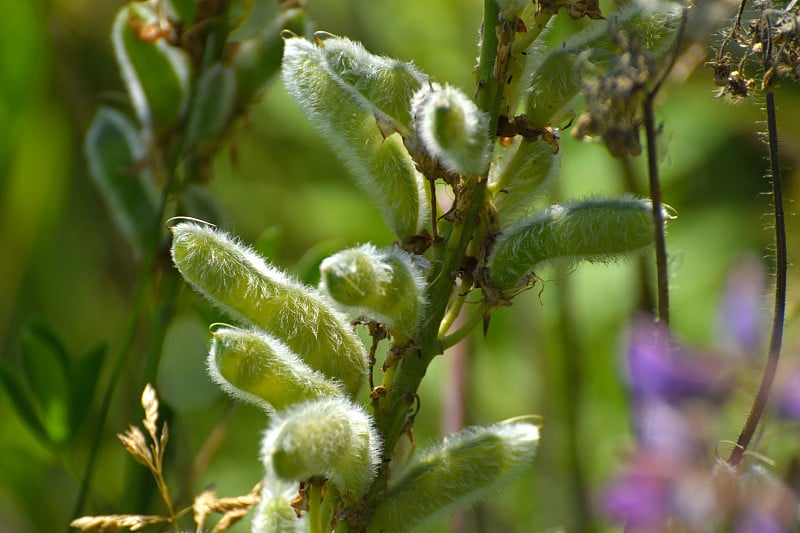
pixel 779 311
pixel 314 502
pixel 449 252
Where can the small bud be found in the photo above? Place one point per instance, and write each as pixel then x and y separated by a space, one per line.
pixel 452 128
pixel 359 101
pixel 465 468
pixel 261 369
pixel 598 230
pixel 382 284
pixel 275 513
pixel 156 74
pixel 236 279
pixel 331 438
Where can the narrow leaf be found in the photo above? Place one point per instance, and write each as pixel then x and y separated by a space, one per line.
pixel 116 153
pixel 84 375
pixel 26 410
pixel 155 73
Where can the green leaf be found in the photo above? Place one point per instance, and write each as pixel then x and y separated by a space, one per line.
pixel 156 74
pixel 115 152
pixel 84 375
pixel 359 101
pixel 26 410
pixel 45 366
pixel 256 60
pixel 212 109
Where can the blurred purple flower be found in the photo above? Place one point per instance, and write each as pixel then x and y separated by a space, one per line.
pixel 640 496
pixel 662 369
pixel 787 397
pixel 741 313
pixel 758 522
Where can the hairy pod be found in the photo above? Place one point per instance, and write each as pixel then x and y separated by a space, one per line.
pixel 526 175
pixel 359 101
pixel 260 369
pixel 383 284
pixel 113 148
pixel 236 279
pixel 331 438
pixel 452 128
pixel 554 79
pixel 591 230
pixel 465 468
pixel 156 74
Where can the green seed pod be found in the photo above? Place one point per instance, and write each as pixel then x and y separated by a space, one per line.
pixel 274 513
pixel 465 468
pixel 260 369
pixel 349 94
pixel 155 73
pixel 452 128
pixel 213 107
pixel 331 438
pixel 526 175
pixel 236 279
pixel 553 79
pixel 591 230
pixel 385 285
pixel 113 148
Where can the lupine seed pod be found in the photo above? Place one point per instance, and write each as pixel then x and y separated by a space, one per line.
pixel 274 513
pixel 591 230
pixel 382 284
pixel 554 78
pixel 526 176
pixel 260 369
pixel 236 279
pixel 156 74
pixel 331 438
pixel 465 468
pixel 349 94
pixel 451 127
pixel 113 147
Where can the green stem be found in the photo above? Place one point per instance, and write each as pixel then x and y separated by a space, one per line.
pixel 314 503
pixel 465 329
pixel 449 253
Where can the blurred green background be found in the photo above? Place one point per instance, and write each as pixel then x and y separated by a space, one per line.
pixel 556 352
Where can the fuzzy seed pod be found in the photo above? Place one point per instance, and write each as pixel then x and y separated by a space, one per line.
pixel 384 284
pixel 452 128
pixel 359 101
pixel 236 279
pixel 465 468
pixel 331 438
pixel 597 230
pixel 156 74
pixel 260 369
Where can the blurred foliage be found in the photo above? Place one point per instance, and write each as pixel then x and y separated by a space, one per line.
pixel 66 265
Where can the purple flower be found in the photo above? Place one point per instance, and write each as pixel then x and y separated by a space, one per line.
pixel 660 368
pixel 640 496
pixel 787 397
pixel 740 318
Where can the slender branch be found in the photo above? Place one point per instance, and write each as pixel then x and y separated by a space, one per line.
pixel 463 330
pixel 779 311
